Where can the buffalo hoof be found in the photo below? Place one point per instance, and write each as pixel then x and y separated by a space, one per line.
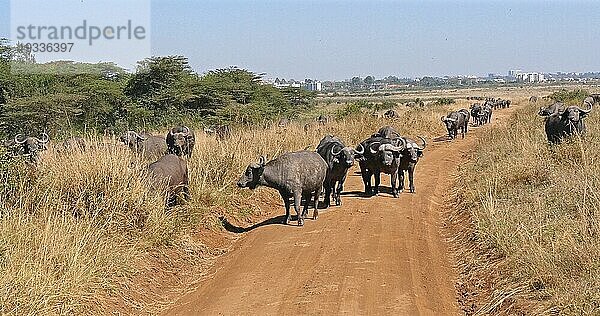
pixel 396 195
pixel 338 202
pixel 287 220
pixel 315 215
pixel 300 222
pixel 412 190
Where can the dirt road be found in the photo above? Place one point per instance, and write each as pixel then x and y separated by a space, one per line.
pixel 371 256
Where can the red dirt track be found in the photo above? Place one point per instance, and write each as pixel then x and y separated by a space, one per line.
pixel 371 256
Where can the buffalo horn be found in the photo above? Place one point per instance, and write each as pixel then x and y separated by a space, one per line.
pixel 45 138
pixel 17 139
pixel 371 147
pixel 333 151
pixel 362 151
pixel 424 143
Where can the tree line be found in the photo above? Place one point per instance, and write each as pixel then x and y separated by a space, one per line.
pixel 66 97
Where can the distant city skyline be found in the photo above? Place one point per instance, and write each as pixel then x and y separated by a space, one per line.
pixel 336 40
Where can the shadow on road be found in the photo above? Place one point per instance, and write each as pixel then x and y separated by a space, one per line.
pixel 440 139
pixel 278 220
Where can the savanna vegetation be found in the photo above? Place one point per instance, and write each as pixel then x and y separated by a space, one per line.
pixel 82 233
pixel 530 245
pixel 63 98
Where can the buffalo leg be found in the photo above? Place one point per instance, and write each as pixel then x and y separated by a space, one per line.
pixel 394 179
pixel 308 199
pixel 411 182
pixel 328 188
pixel 366 176
pixel 400 180
pixel 340 188
pixel 377 176
pixel 316 211
pixel 297 202
pixel 286 201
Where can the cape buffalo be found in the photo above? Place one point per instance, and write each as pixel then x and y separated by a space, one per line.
pixel 180 141
pixel 322 119
pixel 567 122
pixel 295 175
pixel 409 160
pixel 391 114
pixel 150 147
pixel 28 147
pixel 455 121
pixel 339 159
pixel 387 132
pixel 170 173
pixel 381 155
pixel 476 111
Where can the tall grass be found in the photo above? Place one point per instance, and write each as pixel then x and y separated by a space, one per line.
pixel 531 241
pixel 82 233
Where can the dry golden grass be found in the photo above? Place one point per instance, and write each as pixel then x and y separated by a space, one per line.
pixel 78 233
pixel 532 245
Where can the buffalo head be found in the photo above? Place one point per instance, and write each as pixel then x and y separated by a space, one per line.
pixel 387 153
pixel 131 139
pixel 346 155
pixel 180 139
pixel 450 122
pixel 574 113
pixel 29 146
pixel 251 177
pixel 415 151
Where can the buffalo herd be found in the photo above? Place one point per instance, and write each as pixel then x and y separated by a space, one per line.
pixel 305 175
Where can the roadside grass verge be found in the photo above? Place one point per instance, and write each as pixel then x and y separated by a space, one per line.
pixel 526 222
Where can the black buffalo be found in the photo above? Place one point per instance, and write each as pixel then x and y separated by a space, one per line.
pixel 568 122
pixel 180 141
pixel 149 146
pixel 29 147
pixel 456 121
pixel 408 162
pixel 295 175
pixel 339 159
pixel 391 114
pixel 387 132
pixel 381 155
pixel 169 174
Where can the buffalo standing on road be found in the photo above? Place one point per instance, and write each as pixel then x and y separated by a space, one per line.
pixel 180 141
pixel 476 111
pixel 150 147
pixel 381 155
pixel 295 175
pixel 568 122
pixel 170 173
pixel 455 121
pixel 339 159
pixel 409 160
pixel 486 114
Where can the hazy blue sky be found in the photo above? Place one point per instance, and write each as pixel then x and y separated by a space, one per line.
pixel 340 39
